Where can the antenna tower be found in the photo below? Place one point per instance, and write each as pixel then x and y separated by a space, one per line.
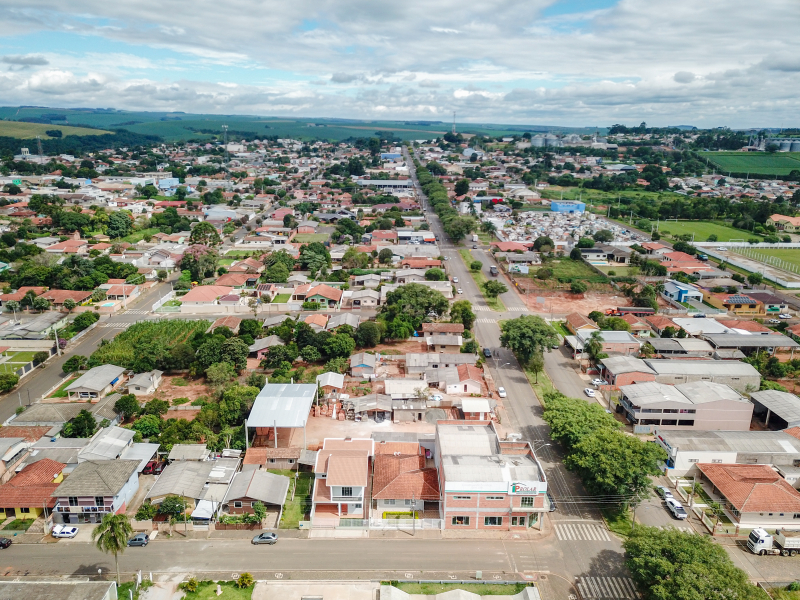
pixel 39 145
pixel 454 122
pixel 225 141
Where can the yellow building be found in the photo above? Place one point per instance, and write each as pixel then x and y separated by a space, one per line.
pixel 30 492
pixel 738 304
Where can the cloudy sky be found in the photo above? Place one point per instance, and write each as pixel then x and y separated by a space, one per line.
pixel 566 62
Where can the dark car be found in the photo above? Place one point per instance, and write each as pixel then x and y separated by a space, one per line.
pixel 140 539
pixel 487 353
pixel 265 538
pixel 153 468
pixel 5 542
pixel 552 502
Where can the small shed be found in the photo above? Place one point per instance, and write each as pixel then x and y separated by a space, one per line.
pixel 145 383
pixel 362 364
pixel 330 382
pixel 476 409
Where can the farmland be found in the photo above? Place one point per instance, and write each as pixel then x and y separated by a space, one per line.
pixel 123 349
pixel 703 229
pixel 22 130
pixel 755 163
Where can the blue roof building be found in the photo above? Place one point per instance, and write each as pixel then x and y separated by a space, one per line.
pixel 567 206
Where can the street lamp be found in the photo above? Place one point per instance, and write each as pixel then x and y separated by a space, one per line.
pixel 541 446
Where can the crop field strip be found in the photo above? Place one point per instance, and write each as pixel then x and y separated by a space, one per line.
pixel 780 163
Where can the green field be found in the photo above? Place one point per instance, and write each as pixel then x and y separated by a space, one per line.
pixel 18 129
pixel 281 298
pixel 138 236
pixel 703 229
pixel 756 163
pixel 307 238
pixel 791 256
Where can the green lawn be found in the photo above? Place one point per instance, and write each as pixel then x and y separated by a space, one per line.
pixel 618 521
pixel 482 589
pixel 19 525
pixel 569 270
pixel 226 262
pixel 760 163
pixel 9 367
pixel 560 328
pixel 22 357
pixel 242 253
pixel 307 238
pixel 207 590
pixel 791 256
pixel 541 385
pixel 784 594
pixel 495 304
pixel 61 391
pixel 619 270
pixel 138 236
pixel 295 510
pixel 703 229
pixel 281 298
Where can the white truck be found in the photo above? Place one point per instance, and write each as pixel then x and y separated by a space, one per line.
pixel 785 542
pixel 474 237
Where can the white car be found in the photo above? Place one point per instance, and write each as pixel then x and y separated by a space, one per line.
pixel 599 382
pixel 455 279
pixel 64 531
pixel 460 291
pixel 721 248
pixel 774 321
pixel 501 392
pixel 676 508
pixel 785 316
pixel 663 492
pixel 589 392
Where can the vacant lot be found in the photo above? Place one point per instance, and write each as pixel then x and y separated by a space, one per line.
pixel 755 162
pixel 483 589
pixel 703 229
pixel 22 130
pixel 307 238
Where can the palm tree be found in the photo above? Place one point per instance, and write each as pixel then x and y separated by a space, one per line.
pixel 488 227
pixel 112 536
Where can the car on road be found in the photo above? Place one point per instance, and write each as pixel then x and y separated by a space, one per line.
pixel 474 246
pixel 721 248
pixel 140 539
pixel 774 321
pixel 676 508
pixel 551 501
pixel 265 538
pixel 501 392
pixel 599 382
pixel 663 491
pixel 455 279
pixel 460 291
pixel 784 316
pixel 64 531
pixel 589 392
pixel 487 353
pixel 5 543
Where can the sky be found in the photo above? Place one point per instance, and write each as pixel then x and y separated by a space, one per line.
pixel 583 63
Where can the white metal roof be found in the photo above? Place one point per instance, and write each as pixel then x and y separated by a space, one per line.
pixel 282 405
pixel 783 404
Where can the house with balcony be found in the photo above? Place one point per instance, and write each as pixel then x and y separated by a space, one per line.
pixel 95 383
pixel 341 479
pixel 94 489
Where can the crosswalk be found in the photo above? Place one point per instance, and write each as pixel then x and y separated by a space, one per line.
pixel 512 309
pixel 575 532
pixel 485 321
pixel 607 588
pixel 137 312
pixel 116 325
pixel 685 529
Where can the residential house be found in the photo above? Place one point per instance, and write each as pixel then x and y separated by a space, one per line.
pixel 188 452
pixel 69 247
pixel 418 363
pixel 681 292
pixel 30 492
pixel 95 383
pixel 363 298
pixel 625 370
pixel 145 383
pixel 469 380
pixel 576 322
pixel 205 295
pixel 324 294
pixel 772 304
pixel 252 485
pixel 12 453
pixel 409 275
pixel 339 320
pixel 784 223
pixel 201 484
pixel 330 382
pixel 698 405
pixel 445 342
pixel 274 458
pixel 436 329
pixel 741 376
pixel 486 483
pixel 613 342
pixel 317 321
pixel 57 297
pixel 341 478
pixel 738 304
pixel 262 345
pixel 403 483
pixel 237 280
pixel 96 488
pixel 363 364
pixel 370 280
pixel 122 292
pixel 477 409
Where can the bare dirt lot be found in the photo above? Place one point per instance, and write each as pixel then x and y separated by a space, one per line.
pixel 179 387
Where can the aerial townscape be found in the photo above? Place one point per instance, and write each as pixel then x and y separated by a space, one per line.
pixel 419 346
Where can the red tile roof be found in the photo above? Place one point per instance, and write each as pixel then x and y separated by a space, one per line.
pixel 404 477
pixel 753 488
pixel 33 486
pixel 259 456
pixel 469 372
pixel 29 434
pixel 325 291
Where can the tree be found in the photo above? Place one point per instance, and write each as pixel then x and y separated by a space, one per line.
pixel 385 256
pixel 277 273
pixel 412 303
pixel 462 187
pixel 310 354
pixel 8 381
pixel 200 260
pixel 543 244
pixel 544 273
pixel 585 242
pixel 475 265
pixel 434 275
pixel 526 336
pixel 488 227
pixel 156 407
pixel 111 536
pixel 119 225
pixel 536 364
pixel 81 425
pixel 220 373
pixel 235 351
pixel 12 306
pixel 41 304
pixel 70 305
pixel 575 254
pixel 594 346
pixel 74 363
pixel 339 345
pixel 148 425
pixel 493 288
pixel 461 312
pixel 259 511
pixel 755 279
pixel 127 406
pixel 611 463
pixel 614 324
pixel 578 287
pixel 572 419
pixel 458 227
pixel 368 334
pixel 604 235
pixel 40 357
pixel 251 327
pixel 162 275
pixel 205 233
pixel 669 564
pixel 172 506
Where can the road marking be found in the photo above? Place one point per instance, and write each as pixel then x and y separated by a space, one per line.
pixel 485 321
pixel 613 588
pixel 579 531
pixel 686 529
pixel 116 325
pixel 137 312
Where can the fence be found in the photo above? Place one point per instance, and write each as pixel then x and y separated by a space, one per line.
pixel 749 267
pixel 774 261
pixel 163 300
pixel 390 524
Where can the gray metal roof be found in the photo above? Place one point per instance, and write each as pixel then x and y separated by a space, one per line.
pixel 259 485
pixel 282 405
pixel 448 339
pixel 492 468
pixel 665 344
pixel 701 392
pixel 753 442
pixel 188 452
pixel 58 590
pixel 712 368
pixel 145 379
pixel 187 478
pixel 737 340
pixel 466 440
pixel 362 358
pixel 343 319
pixel 97 379
pixel 625 364
pixel 107 444
pixel 97 478
pixel 426 359
pixel 783 404
pixel 267 342
pixel 651 392
pixel 142 451
pixel 371 402
pixel 47 414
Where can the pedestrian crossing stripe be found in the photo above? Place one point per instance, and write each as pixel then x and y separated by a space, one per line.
pixel 607 588
pixel 137 312
pixel 581 532
pixel 486 321
pixel 517 309
pixel 116 325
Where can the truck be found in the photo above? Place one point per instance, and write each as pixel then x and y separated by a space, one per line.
pixel 637 311
pixel 785 542
pixel 493 271
pixel 474 237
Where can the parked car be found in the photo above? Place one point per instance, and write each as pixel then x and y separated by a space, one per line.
pixel 265 538
pixel 501 392
pixel 774 321
pixel 721 248
pixel 599 382
pixel 436 398
pixel 64 531
pixel 459 291
pixel 663 491
pixel 676 508
pixel 551 501
pixel 154 467
pixel 487 353
pixel 474 246
pixel 140 539
pixel 455 279
pixel 784 316
pixel 5 543
pixel 589 392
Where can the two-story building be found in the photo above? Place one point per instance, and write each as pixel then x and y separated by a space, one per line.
pixel 486 483
pixel 341 476
pixel 96 488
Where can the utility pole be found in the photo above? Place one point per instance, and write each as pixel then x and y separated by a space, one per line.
pixel 225 141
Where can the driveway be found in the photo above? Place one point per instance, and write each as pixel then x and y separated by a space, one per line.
pixel 561 369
